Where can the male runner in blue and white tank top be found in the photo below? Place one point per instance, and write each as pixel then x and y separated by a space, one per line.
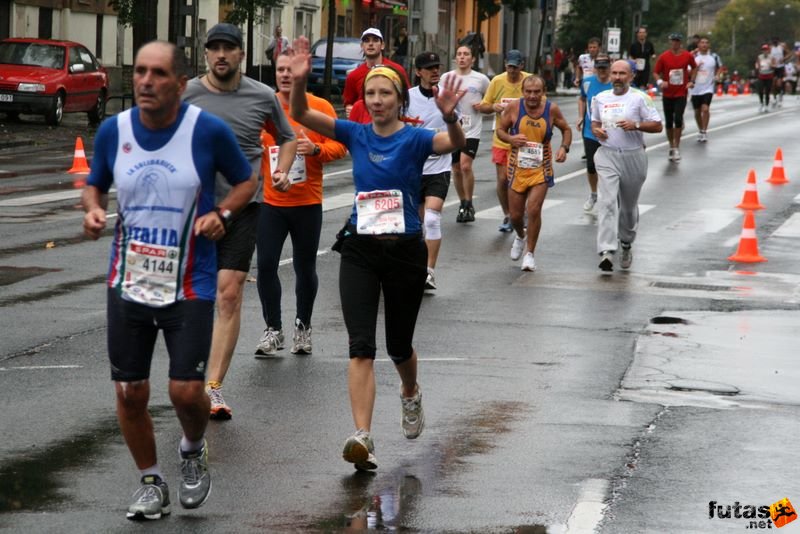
pixel 162 156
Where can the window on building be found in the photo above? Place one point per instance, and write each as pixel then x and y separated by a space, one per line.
pixel 45 23
pixel 98 39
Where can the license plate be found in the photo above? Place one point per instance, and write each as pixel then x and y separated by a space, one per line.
pixel 6 98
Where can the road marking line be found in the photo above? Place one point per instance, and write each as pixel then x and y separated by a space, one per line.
pixel 588 511
pixel 497 212
pixel 791 228
pixel 39 367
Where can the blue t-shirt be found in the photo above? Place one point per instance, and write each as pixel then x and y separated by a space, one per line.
pixel 591 87
pixel 393 162
pixel 160 194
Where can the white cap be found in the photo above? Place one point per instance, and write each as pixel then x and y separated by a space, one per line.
pixel 372 31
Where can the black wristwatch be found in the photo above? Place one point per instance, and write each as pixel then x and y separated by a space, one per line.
pixel 566 148
pixel 316 150
pixel 224 216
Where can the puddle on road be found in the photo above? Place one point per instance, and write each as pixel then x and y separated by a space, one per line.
pixel 55 291
pixel 33 480
pixel 12 275
pixel 485 428
pixel 372 501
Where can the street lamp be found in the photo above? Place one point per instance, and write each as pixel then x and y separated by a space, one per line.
pixel 733 35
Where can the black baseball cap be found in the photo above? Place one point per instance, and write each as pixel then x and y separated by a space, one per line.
pixel 225 32
pixel 602 61
pixel 426 60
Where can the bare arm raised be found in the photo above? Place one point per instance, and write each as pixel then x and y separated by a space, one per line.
pixel 447 98
pixel 310 118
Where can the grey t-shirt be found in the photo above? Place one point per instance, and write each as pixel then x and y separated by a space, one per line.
pixel 246 110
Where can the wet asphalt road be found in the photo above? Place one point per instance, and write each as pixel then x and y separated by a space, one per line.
pixel 558 401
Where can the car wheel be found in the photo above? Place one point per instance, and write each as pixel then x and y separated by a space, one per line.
pixel 56 113
pixel 98 112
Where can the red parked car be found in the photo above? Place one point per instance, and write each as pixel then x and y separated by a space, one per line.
pixel 50 78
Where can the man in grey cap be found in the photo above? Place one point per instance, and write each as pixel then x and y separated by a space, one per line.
pixel 504 88
pixel 247 106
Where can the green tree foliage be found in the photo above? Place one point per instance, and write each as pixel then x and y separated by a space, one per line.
pixel 242 8
pixel 488 9
pixel 751 23
pixel 126 14
pixel 588 18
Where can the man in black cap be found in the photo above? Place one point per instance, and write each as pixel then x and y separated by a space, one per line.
pixel 247 106
pixel 436 173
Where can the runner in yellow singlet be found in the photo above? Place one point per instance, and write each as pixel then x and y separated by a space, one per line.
pixel 527 125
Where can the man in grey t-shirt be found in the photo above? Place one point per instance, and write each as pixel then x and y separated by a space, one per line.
pixel 247 106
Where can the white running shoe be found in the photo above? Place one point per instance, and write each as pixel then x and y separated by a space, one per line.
pixel 528 263
pixel 626 257
pixel 588 206
pixel 676 155
pixel 517 248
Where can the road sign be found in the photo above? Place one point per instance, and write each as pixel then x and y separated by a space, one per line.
pixel 612 40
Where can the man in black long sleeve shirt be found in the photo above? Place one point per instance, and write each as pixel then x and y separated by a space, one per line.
pixel 642 52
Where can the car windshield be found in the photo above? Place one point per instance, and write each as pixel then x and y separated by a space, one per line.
pixel 32 54
pixel 345 50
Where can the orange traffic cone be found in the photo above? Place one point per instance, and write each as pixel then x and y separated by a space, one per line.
pixel 746 88
pixel 750 198
pixel 79 165
pixel 719 90
pixel 778 176
pixel 748 242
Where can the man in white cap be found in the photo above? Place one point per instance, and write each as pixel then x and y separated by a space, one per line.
pixel 372 45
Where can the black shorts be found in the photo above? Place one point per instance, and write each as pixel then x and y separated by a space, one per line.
pixel 235 250
pixel 701 100
pixel 395 267
pixel 780 72
pixel 470 149
pixel 673 111
pixel 590 146
pixel 435 185
pixel 132 332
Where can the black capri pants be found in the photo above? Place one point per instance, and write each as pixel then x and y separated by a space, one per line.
pixel 673 111
pixel 395 266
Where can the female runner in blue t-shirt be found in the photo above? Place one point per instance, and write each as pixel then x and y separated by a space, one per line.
pixel 383 248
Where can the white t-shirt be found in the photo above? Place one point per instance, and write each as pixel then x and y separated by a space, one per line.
pixel 634 105
pixel 425 109
pixel 586 63
pixel 778 53
pixel 475 84
pixel 704 82
pixel 790 74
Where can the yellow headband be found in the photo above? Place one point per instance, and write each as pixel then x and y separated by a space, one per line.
pixel 386 72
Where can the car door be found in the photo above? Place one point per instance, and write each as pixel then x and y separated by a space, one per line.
pixel 76 83
pixel 95 77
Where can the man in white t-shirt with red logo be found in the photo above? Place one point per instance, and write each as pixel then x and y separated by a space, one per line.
pixel 619 116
